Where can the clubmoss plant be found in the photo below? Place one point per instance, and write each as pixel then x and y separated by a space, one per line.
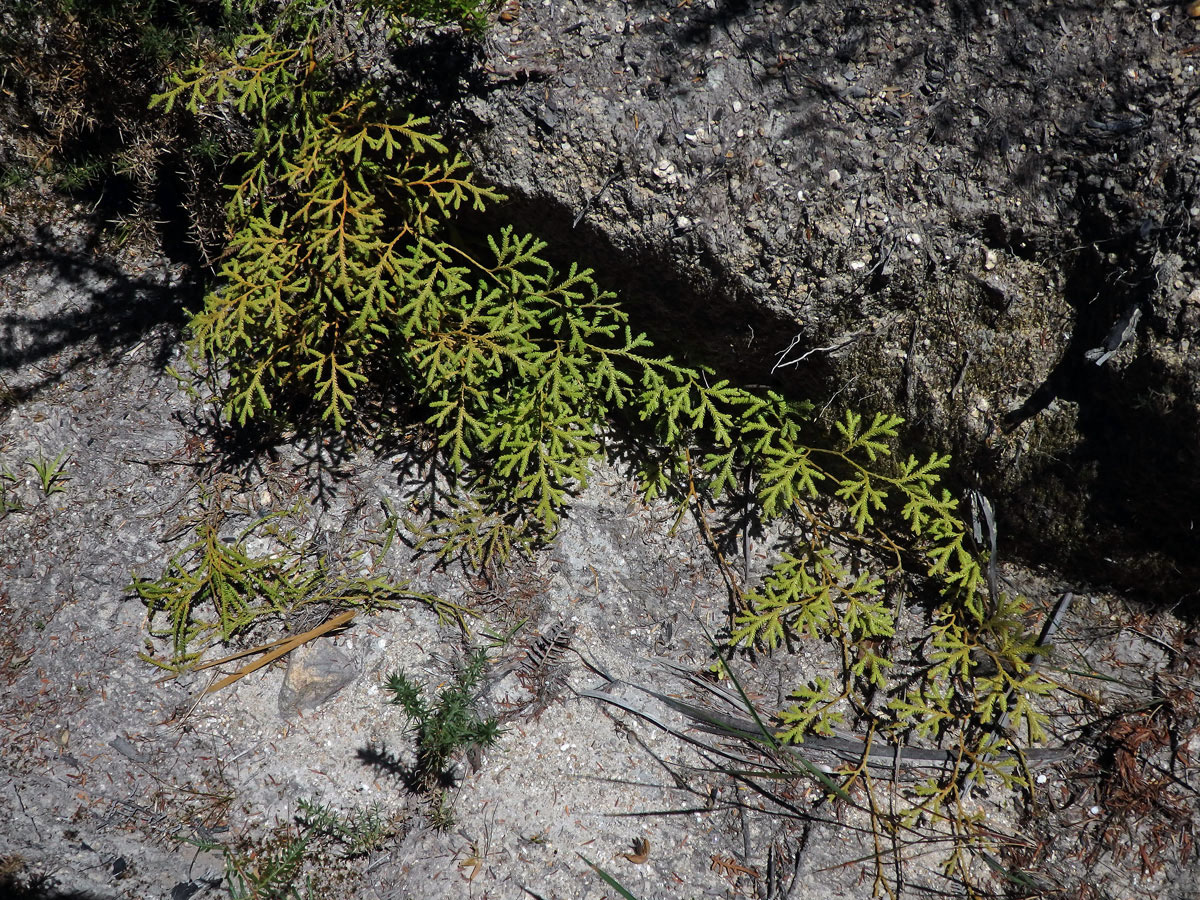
pixel 215 589
pixel 348 292
pixel 345 279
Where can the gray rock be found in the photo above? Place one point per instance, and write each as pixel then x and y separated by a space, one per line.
pixel 315 673
pixel 1076 193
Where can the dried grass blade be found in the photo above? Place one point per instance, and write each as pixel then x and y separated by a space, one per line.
pixel 283 649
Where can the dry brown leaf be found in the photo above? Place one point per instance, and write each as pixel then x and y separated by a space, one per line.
pixel 731 868
pixel 641 851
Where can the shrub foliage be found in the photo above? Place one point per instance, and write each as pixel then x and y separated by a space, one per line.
pixel 347 291
pixel 345 278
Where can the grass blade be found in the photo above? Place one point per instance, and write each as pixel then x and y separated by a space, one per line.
pixel 608 879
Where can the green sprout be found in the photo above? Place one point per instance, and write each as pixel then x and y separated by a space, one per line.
pixel 52 473
pixel 445 726
pixel 8 503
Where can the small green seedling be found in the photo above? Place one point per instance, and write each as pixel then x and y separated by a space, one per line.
pixel 52 473
pixel 446 726
pixel 8 502
pixel 287 864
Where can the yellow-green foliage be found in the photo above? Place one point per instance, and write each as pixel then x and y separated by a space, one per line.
pixel 216 589
pixel 339 276
pixel 334 217
pixel 345 279
pixel 809 592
